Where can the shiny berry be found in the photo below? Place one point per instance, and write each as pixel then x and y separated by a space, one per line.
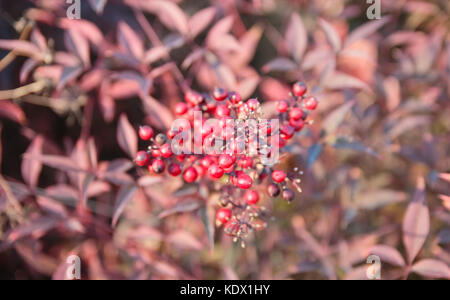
pixel 278 176
pixel 146 133
pixel 282 106
pixel 287 132
pixel 244 181
pixel 288 195
pixel 311 103
pixel 251 197
pixel 206 161
pixel 299 89
pixel 220 94
pixel 273 190
pixel 158 166
pixel 215 171
pixel 252 104
pixel 142 158
pixel 156 153
pixel 174 169
pixel 160 139
pixel 180 109
pixel 190 175
pixel 297 124
pixel 166 150
pixel 226 161
pixel 223 111
pixel 223 215
pixel 296 113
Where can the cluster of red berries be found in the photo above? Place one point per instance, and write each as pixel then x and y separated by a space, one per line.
pixel 238 170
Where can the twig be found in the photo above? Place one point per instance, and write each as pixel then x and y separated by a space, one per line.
pixel 12 55
pixel 19 92
pixel 12 200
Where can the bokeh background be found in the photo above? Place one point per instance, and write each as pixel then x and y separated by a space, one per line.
pixel 376 160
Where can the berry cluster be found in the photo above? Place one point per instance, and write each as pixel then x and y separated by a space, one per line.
pixel 237 172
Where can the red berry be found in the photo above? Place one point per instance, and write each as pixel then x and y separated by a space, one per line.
pixel 297 124
pixel 244 181
pixel 194 98
pixel 287 132
pixel 311 103
pixel 282 106
pixel 223 215
pixel 166 150
pixel 215 171
pixel 223 111
pixel 181 108
pixel 296 113
pixel 142 158
pixel 156 153
pixel 146 133
pixel 206 161
pixel 234 97
pixel 158 166
pixel 299 89
pixel 174 169
pixel 226 161
pixel 251 197
pixel 190 175
pixel 252 104
pixel 220 94
pixel 273 190
pixel 278 176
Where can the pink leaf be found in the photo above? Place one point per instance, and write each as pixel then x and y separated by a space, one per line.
pixel 126 136
pixel 12 111
pixel 389 255
pixel 78 45
pixel 24 48
pixel 58 162
pixel 199 21
pixel 26 69
pixel 38 39
pixel 279 64
pixel 39 225
pixel 296 37
pixel 129 41
pixel 365 30
pixel 125 195
pixel 160 114
pixel 432 268
pixel 32 168
pixel 416 223
pixel 331 35
pixel 220 29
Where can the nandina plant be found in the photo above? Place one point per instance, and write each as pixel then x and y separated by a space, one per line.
pixel 242 161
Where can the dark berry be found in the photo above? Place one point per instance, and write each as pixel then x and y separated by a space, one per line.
pixel 174 169
pixel 160 139
pixel 287 132
pixel 288 195
pixel 273 190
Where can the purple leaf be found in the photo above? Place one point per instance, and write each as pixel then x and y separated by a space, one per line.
pixel 365 30
pixel 200 20
pixel 98 5
pixel 126 136
pixel 296 37
pixel 129 41
pixel 279 64
pixel 389 255
pixel 125 195
pixel 331 34
pixel 32 168
pixel 55 161
pixel 78 45
pixel 432 268
pixel 416 223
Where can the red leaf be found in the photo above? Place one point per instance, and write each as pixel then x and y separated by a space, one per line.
pixel 296 37
pixel 126 193
pixel 12 111
pixel 126 136
pixel 129 41
pixel 199 21
pixel 32 168
pixel 389 255
pixel 331 35
pixel 416 223
pixel 432 268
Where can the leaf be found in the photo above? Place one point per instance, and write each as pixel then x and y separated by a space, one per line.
pixel 280 64
pixel 41 225
pixel 98 5
pixel 126 136
pixel 331 35
pixel 160 114
pixel 129 41
pixel 296 37
pixel 416 223
pixel 23 48
pixel 365 30
pixel 219 30
pixel 182 207
pixel 168 13
pixel 432 268
pixel 344 143
pixel 406 124
pixel 26 69
pixel 12 111
pixel 388 254
pixel 313 154
pixel 185 240
pixel 336 117
pixel 56 161
pixel 32 168
pixel 207 216
pixel 69 74
pixel 379 198
pixel 126 193
pixel 200 20
pixel 78 45
pixel 339 80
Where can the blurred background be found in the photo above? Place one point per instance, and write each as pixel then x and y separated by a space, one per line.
pixel 376 159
